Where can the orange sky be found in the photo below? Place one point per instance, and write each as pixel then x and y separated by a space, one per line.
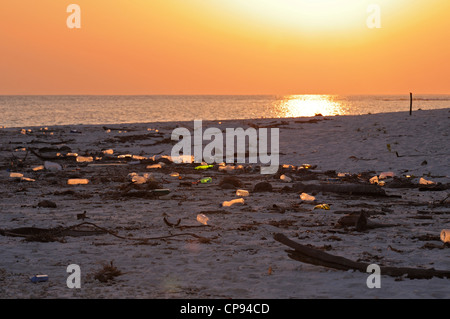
pixel 225 47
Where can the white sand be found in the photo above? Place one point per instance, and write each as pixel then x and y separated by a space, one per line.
pixel 236 263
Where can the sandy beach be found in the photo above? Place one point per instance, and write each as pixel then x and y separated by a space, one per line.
pixel 163 251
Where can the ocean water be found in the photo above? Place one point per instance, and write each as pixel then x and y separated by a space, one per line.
pixel 26 111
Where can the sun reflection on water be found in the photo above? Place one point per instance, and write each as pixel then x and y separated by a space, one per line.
pixel 309 105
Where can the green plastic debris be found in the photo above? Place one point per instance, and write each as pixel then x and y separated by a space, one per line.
pixel 206 180
pixel 204 166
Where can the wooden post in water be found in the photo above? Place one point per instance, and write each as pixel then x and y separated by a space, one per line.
pixel 410 103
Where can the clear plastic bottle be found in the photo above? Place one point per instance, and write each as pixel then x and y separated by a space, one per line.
pixel 203 219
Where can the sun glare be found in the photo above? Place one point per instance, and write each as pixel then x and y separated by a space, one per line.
pixel 309 105
pixel 305 15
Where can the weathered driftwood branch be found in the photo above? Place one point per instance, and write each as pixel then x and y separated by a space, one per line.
pixel 353 189
pixel 317 257
pixel 52 234
pixel 361 222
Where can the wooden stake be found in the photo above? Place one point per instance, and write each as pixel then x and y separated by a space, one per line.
pixel 410 103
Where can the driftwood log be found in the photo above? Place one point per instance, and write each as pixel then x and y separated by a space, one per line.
pixel 352 189
pixel 361 222
pixel 317 257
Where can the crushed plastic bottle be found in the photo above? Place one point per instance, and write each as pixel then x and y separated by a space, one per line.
pixel 322 206
pixel 307 198
pixel 242 192
pixel 202 219
pixel 233 202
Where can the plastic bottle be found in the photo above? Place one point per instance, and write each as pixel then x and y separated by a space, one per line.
pixel 203 219
pixel 306 197
pixel 206 180
pixel 84 159
pixel 242 192
pixel 233 202
pixel 285 178
pixel 78 181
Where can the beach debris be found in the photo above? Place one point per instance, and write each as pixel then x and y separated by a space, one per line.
pixel 77 181
pixel 385 175
pixel 307 198
pixel 82 216
pixel 205 180
pixel 107 273
pixel 140 179
pixel 38 168
pixel 445 235
pixel 85 159
pixel 161 191
pixel 172 224
pixel 108 152
pixel 423 181
pixel 230 182
pixel 47 204
pixel 39 278
pixel 310 255
pixel 52 234
pixel 204 167
pixel 158 165
pixel 263 187
pixel 285 178
pixel 175 174
pixel 226 168
pixel 237 201
pixel 360 221
pixel 51 166
pixel 322 206
pixel 21 177
pixel 242 192
pixel 15 175
pixel 352 189
pixel 202 219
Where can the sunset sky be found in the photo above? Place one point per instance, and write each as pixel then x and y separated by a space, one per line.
pixel 225 47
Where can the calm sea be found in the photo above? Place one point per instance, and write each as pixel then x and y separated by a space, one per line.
pixel 24 111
